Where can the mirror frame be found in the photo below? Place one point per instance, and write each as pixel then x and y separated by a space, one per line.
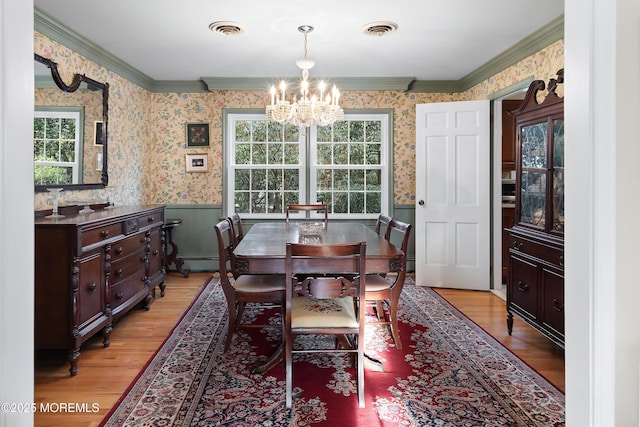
pixel 75 84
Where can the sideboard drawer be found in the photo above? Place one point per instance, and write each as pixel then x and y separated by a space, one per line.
pixel 149 219
pixel 125 290
pixel 125 267
pixel 128 246
pixel 100 234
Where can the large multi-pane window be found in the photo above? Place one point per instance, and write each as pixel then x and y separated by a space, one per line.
pixel 56 147
pixel 345 165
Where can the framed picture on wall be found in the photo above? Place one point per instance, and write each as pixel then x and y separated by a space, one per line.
pixel 97 133
pixel 197 134
pixel 197 163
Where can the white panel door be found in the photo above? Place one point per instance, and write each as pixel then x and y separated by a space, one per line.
pixel 452 223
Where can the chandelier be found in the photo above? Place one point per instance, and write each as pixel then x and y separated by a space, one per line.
pixel 308 110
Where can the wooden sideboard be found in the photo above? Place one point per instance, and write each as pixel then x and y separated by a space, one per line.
pixel 91 269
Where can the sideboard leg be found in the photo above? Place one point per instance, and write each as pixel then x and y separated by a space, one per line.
pixel 74 355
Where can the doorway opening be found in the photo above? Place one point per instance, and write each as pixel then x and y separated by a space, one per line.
pixel 503 179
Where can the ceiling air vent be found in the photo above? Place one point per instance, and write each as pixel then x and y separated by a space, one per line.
pixel 227 28
pixel 380 28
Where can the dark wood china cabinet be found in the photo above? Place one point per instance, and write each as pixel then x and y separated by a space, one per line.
pixel 535 286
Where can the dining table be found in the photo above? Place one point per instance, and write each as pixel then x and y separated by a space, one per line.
pixel 263 251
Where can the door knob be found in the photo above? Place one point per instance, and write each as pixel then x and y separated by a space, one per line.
pixel 421 202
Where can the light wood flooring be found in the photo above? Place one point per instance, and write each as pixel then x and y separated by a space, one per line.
pixel 105 373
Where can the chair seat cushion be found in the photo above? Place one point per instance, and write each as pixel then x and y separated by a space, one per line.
pixel 259 283
pixel 377 283
pixel 309 312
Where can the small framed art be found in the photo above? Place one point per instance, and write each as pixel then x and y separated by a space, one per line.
pixel 197 134
pixel 197 163
pixel 97 133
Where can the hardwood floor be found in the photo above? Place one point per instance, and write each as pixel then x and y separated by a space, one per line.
pixel 105 373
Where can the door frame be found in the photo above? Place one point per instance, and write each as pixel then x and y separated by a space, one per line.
pixel 496 175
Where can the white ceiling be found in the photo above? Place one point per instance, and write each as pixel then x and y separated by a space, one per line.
pixel 436 39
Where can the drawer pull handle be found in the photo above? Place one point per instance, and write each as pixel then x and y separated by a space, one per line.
pixel 119 251
pixel 119 272
pixel 561 260
pixel 104 233
pixel 151 219
pixel 119 295
pixel 92 286
pixel 155 252
pixel 517 245
pixel 557 306
pixel 523 287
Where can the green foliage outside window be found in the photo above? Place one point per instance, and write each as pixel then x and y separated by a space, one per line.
pixel 267 163
pixel 54 149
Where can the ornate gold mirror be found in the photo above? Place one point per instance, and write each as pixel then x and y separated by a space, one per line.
pixel 70 130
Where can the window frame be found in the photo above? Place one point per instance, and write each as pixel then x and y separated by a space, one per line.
pixel 76 113
pixel 308 163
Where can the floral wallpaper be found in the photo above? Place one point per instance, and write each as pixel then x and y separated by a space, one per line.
pixel 128 133
pixel 147 131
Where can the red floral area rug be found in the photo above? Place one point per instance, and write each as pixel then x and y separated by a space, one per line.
pixel 449 373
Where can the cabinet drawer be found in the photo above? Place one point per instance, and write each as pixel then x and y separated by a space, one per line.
pixel 127 266
pixel 554 256
pixel 150 218
pixel 90 288
pixel 97 235
pixel 128 246
pixel 127 289
pixel 523 286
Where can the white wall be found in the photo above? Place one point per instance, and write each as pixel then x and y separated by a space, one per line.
pixel 16 208
pixel 602 109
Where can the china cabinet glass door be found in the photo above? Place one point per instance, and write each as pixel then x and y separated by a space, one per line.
pixel 542 175
pixel 533 200
pixel 558 176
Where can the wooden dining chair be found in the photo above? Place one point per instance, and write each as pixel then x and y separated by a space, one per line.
pixel 236 228
pixel 382 221
pixel 318 207
pixel 384 290
pixel 246 288
pixel 326 305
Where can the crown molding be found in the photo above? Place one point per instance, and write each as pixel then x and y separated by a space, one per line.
pixel 535 42
pixel 178 86
pixel 436 86
pixel 56 31
pixel 344 83
pixel 545 36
